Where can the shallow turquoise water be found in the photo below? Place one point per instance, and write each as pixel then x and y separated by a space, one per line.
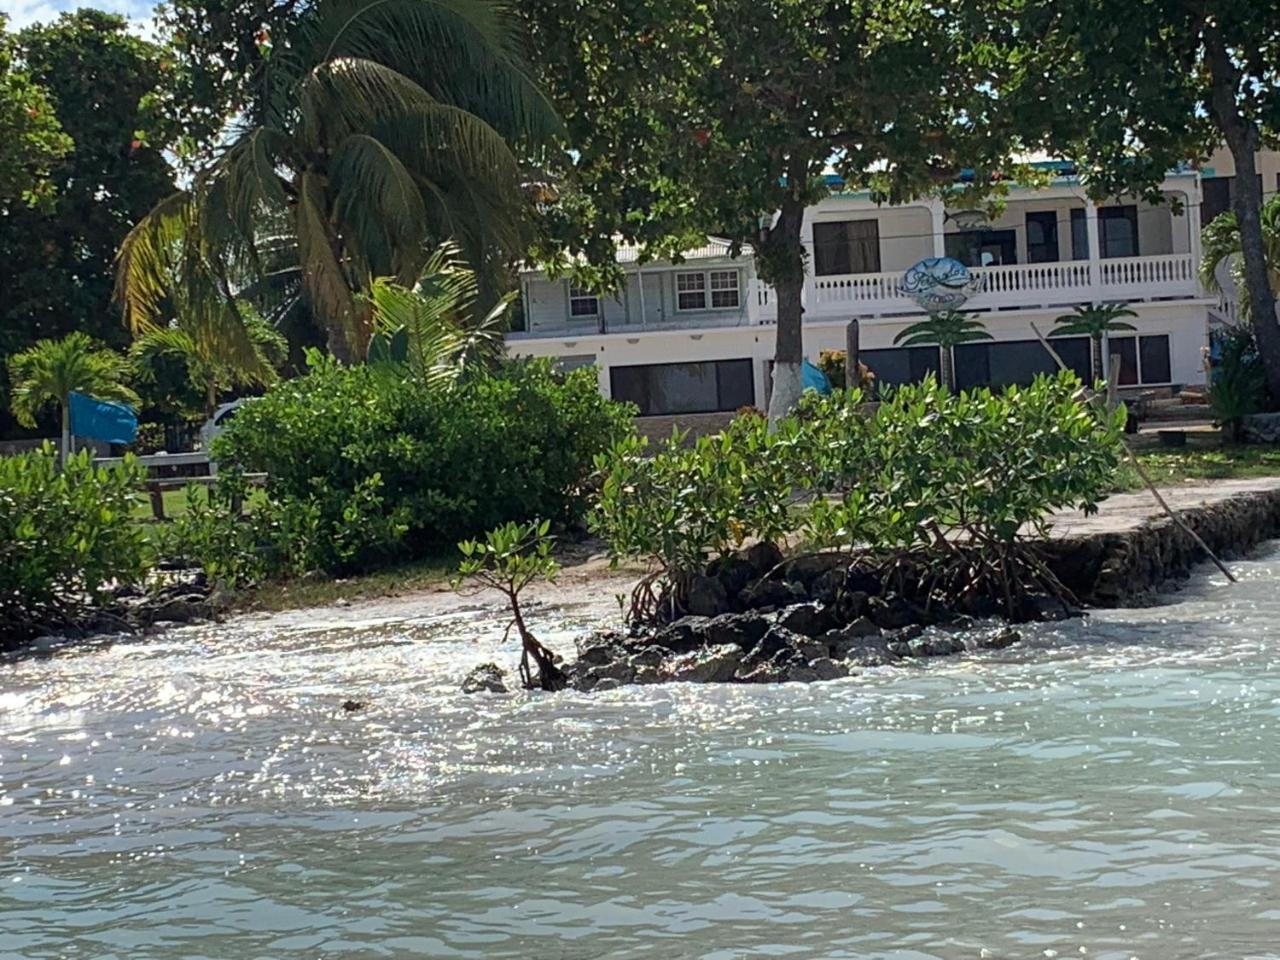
pixel 1107 789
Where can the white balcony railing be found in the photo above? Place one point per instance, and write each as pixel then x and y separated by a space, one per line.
pixel 1148 276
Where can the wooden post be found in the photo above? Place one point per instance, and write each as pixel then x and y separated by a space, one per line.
pixel 851 378
pixel 157 500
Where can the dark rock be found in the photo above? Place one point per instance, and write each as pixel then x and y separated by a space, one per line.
pixel 606 683
pixel 829 586
pixel 810 619
pixel 735 574
pixel 936 645
pixel 898 648
pixel 706 597
pixel 1046 609
pixel 651 656
pixel 802 673
pixel 827 669
pixel 996 639
pixel 713 665
pixel 761 672
pixel 808 568
pixel 744 629
pixel 351 706
pixel 891 612
pixel 778 640
pixel 683 635
pixel 649 675
pixel 763 557
pixel 177 610
pixel 861 581
pixel 487 676
pixel 600 649
pixel 772 593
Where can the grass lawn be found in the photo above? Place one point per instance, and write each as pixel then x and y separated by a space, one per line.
pixel 417 575
pixel 175 502
pixel 1203 458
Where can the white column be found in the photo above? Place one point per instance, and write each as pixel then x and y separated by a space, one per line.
pixel 938 214
pixel 1095 251
pixel 1193 230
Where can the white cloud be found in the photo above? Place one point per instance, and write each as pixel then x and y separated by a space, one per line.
pixel 23 13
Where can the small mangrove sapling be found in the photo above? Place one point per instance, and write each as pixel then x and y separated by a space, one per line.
pixel 510 558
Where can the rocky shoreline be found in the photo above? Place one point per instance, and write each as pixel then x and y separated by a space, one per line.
pixel 756 619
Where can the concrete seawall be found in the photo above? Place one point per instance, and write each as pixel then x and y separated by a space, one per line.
pixel 1129 550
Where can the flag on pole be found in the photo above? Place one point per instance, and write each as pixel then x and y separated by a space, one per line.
pixel 101 420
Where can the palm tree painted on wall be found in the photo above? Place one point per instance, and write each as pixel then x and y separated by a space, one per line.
pixel 1097 321
pixel 946 330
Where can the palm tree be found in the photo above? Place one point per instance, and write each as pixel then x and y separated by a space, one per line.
pixel 1220 242
pixel 945 330
pixel 51 370
pixel 1096 321
pixel 216 356
pixel 385 127
pixel 432 327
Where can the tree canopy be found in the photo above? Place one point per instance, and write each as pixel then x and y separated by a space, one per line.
pixel 56 259
pixel 31 138
pixel 690 117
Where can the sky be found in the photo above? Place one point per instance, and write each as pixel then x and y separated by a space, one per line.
pixel 23 13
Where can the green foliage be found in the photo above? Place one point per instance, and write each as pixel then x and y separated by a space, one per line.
pixel 59 257
pixel 31 139
pixel 1238 385
pixel 432 329
pixel 373 131
pixel 945 330
pixel 65 535
pixel 502 447
pixel 1093 320
pixel 1221 243
pixel 926 467
pixel 509 558
pixel 47 373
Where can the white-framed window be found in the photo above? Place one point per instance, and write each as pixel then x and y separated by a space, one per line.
pixel 724 289
pixel 583 304
pixel 716 290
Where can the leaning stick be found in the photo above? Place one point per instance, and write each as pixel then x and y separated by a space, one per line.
pixel 1141 471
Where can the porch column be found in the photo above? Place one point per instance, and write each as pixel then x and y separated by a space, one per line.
pixel 938 214
pixel 1193 229
pixel 1095 251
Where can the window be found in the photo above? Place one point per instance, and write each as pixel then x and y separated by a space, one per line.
pixel 583 303
pixel 1144 361
pixel 846 246
pixel 982 248
pixel 1079 235
pixel 669 388
pixel 724 289
pixel 574 361
pixel 1042 237
pixel 719 288
pixel 1006 362
pixel 1118 231
pixel 1218 194
pixel 900 365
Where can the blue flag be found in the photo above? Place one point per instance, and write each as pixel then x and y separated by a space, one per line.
pixel 815 379
pixel 100 420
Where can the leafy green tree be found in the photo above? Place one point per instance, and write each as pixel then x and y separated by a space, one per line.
pixel 1221 243
pixel 358 152
pixel 690 117
pixel 508 560
pixel 31 139
pixel 945 330
pixel 49 372
pixel 1143 85
pixel 214 362
pixel 56 261
pixel 1238 386
pixel 1095 321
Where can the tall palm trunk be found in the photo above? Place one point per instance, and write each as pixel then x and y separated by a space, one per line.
pixel 947 369
pixel 1097 360
pixel 64 446
pixel 1243 140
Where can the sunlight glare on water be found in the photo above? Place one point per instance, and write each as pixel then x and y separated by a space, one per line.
pixel 1106 789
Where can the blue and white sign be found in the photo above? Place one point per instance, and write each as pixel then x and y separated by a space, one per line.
pixel 939 283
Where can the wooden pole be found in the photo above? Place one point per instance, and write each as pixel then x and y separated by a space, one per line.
pixel 1142 473
pixel 851 351
pixel 1113 380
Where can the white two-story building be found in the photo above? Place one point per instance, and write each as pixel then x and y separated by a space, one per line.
pixel 697 336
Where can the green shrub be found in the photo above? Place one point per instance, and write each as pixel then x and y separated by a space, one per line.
pixel 65 535
pixel 1239 384
pixel 419 469
pixel 925 471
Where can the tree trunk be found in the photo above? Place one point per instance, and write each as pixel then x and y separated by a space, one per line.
pixel 1095 359
pixel 338 346
pixel 550 676
pixel 1243 140
pixel 946 369
pixel 785 259
pixel 852 376
pixel 210 398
